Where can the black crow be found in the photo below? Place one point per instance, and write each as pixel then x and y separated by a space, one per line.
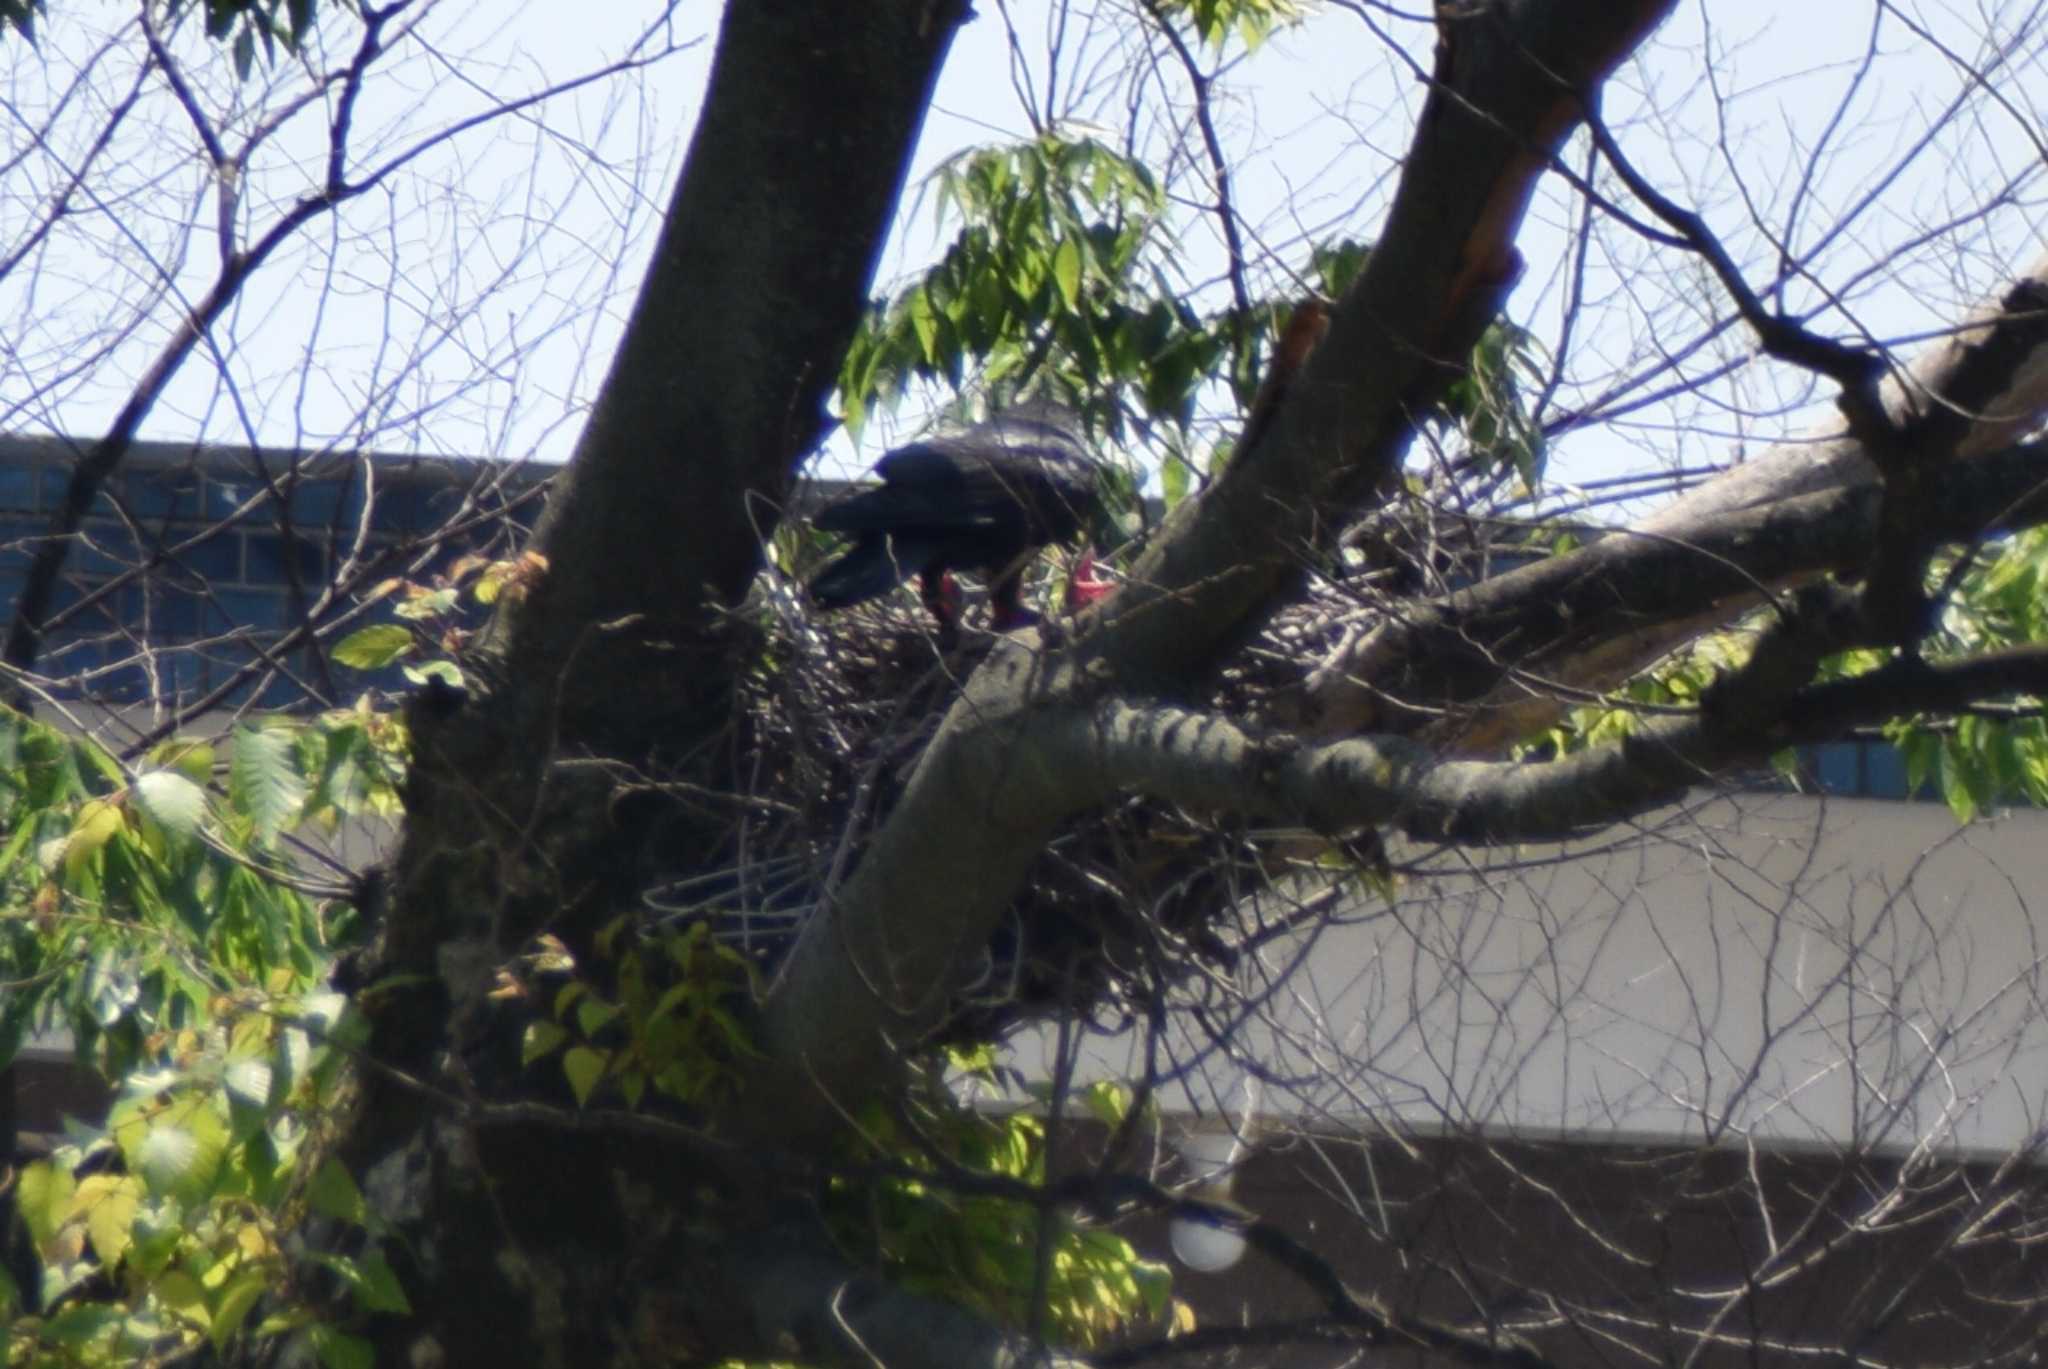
pixel 980 500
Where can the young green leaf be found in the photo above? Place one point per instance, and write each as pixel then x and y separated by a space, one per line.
pixel 584 1067
pixel 374 647
pixel 333 1193
pixel 175 802
pixel 264 783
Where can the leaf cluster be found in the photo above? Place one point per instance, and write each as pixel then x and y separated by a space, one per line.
pixel 151 911
pixel 169 1230
pixel 984 1250
pixel 670 1018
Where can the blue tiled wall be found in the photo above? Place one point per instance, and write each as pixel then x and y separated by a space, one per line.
pixel 1858 769
pixel 236 579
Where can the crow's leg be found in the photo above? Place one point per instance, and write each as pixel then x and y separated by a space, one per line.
pixel 941 595
pixel 1006 604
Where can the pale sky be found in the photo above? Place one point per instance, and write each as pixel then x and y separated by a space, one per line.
pixel 513 254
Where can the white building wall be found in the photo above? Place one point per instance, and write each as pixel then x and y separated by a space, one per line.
pixel 1775 967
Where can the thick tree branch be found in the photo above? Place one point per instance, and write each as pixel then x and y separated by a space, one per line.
pixel 719 386
pixel 1589 617
pixel 1605 611
pixel 1509 84
pixel 1210 762
pixel 758 281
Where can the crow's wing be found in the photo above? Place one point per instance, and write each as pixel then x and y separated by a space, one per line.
pixel 1023 476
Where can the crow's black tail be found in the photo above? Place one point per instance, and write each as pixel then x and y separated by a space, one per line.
pixel 875 566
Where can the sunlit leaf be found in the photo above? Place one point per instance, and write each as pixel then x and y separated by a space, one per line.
pixel 235 1303
pixel 333 1193
pixel 374 647
pixel 1066 272
pixel 108 1202
pixel 264 783
pixel 181 1293
pixel 447 672
pixel 96 824
pixel 43 1198
pixel 181 1150
pixel 173 801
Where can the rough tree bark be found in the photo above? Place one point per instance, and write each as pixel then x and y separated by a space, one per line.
pixel 530 1243
pixel 1593 618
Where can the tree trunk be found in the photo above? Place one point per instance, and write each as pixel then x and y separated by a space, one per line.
pixel 521 1242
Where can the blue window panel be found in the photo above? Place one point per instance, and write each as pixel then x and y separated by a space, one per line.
pixel 169 614
pixel 163 494
pixel 1837 767
pixel 72 590
pixel 183 674
pixel 1884 771
pixel 250 608
pixel 218 558
pixel 18 487
pixel 31 530
pixel 320 503
pixel 263 560
pixel 67 652
pixel 412 506
pixel 284 693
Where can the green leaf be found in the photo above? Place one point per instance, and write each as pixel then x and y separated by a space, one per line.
pixel 97 822
pixel 542 1039
pixel 592 1014
pixel 1066 271
pixel 264 783
pixel 1956 787
pixel 1107 1101
pixel 428 604
pixel 584 1067
pixel 1173 480
pixel 181 1151
pixel 338 1350
pixel 377 1287
pixel 81 1323
pixel 373 648
pixel 447 672
pixel 175 802
pixel 333 1193
pixel 236 1302
pixel 109 1203
pixel 924 321
pixel 192 759
pixel 43 1198
pixel 248 1083
pixel 181 1293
